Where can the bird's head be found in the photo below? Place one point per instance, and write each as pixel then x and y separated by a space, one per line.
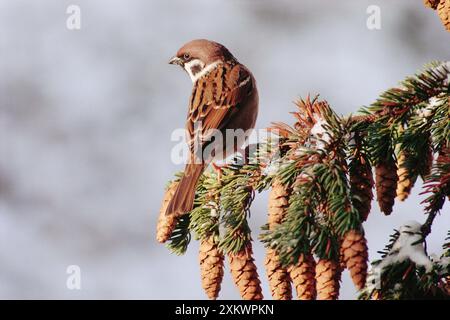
pixel 198 57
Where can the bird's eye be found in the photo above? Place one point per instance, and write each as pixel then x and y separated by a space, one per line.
pixel 186 56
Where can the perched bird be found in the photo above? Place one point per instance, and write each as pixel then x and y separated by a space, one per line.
pixel 224 96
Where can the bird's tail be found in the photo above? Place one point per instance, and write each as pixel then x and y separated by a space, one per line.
pixel 183 198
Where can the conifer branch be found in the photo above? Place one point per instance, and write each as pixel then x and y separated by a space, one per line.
pixel 325 162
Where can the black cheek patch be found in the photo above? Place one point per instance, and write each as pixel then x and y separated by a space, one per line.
pixel 196 69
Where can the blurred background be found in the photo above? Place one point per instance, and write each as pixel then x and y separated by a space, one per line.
pixel 86 118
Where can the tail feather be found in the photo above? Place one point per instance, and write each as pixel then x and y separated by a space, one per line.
pixel 183 199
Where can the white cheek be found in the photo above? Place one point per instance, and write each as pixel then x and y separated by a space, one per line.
pixel 207 70
pixel 188 67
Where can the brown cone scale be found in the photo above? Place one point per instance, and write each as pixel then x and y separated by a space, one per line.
pixel 278 276
pixel 361 180
pixel 431 3
pixel 443 10
pixel 279 280
pixel 386 185
pixel 405 182
pixel 244 273
pixel 328 276
pixel 211 267
pixel 354 254
pixel 278 203
pixel 303 277
pixel 166 223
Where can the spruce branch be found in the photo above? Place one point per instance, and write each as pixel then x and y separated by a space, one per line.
pixel 325 162
pixel 180 237
pixel 236 196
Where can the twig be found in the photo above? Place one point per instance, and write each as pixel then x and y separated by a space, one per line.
pixel 426 227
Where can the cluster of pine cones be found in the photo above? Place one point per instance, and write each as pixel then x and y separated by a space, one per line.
pixel 394 180
pixel 321 279
pixel 242 267
pixel 311 279
pixel 443 9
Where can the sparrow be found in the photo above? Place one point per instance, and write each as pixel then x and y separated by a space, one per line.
pixel 224 96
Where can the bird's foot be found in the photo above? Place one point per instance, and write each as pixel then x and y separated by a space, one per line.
pixel 219 170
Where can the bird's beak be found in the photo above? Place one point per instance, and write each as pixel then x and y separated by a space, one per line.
pixel 176 61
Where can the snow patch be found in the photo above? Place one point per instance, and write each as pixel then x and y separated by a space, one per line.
pixel 433 102
pixel 320 133
pixel 407 247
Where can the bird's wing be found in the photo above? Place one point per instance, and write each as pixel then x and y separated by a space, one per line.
pixel 215 100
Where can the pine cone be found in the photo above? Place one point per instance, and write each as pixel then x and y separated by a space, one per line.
pixel 303 277
pixel 278 203
pixel 431 3
pixel 244 273
pixel 386 184
pixel 211 267
pixel 166 223
pixel 328 275
pixel 405 182
pixel 361 180
pixel 444 13
pixel 279 280
pixel 354 255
